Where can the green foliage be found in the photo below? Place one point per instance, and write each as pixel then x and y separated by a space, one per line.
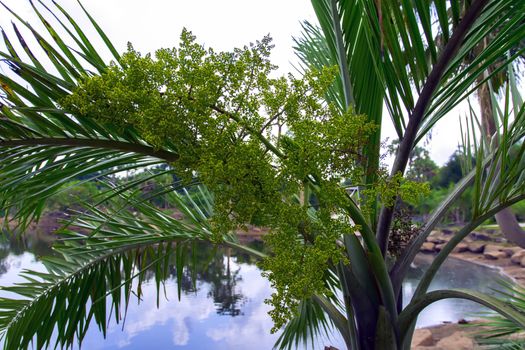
pixel 295 264
pixel 74 196
pixel 450 173
pixel 211 107
pixel 223 113
pixel 388 189
pixel 500 332
pixel 272 150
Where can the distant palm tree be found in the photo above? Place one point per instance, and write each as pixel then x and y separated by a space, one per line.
pixel 487 86
pixel 506 219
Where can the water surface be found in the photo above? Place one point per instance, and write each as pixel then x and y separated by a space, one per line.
pixel 224 308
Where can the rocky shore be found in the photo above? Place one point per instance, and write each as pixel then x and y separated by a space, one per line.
pixel 484 248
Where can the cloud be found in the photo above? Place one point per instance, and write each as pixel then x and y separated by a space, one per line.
pixel 177 315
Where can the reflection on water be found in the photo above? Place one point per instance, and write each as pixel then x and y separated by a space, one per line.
pixel 221 301
pixel 454 274
pixel 198 320
pixel 17 254
pixel 220 307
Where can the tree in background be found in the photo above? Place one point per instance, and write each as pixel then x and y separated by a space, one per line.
pixel 421 167
pixel 220 116
pixel 490 81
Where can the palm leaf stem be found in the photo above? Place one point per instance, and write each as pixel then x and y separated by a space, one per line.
pixel 341 55
pixel 454 241
pixel 93 143
pixel 244 249
pixel 445 252
pixel 374 259
pixel 423 102
pixel 410 313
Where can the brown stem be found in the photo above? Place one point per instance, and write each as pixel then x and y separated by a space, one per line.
pixel 423 102
pixel 252 131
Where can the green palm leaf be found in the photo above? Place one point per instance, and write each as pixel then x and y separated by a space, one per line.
pixel 501 330
pixel 310 324
pixel 43 146
pixel 120 247
pixel 509 311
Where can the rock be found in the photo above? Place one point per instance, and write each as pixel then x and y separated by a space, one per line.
pixel 522 261
pixel 428 247
pixel 422 337
pixel 492 248
pixel 460 248
pixel 510 250
pixel 516 257
pixel 494 255
pixel 438 247
pixel 456 341
pixel 447 231
pixel 436 240
pixel 476 247
pixel 478 236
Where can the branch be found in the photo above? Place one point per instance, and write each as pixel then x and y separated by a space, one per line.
pixel 94 143
pixel 252 131
pixel 272 118
pixel 424 100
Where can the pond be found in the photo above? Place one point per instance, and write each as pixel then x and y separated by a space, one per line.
pixel 225 308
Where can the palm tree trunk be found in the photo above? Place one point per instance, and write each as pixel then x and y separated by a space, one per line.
pixel 506 219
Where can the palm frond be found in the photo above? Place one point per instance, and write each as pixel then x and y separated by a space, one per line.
pixel 41 144
pixel 346 28
pixel 498 181
pixel 495 174
pixel 500 332
pixel 460 80
pixel 409 314
pixel 105 256
pixel 313 51
pixel 309 325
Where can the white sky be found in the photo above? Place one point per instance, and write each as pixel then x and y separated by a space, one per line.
pixel 224 24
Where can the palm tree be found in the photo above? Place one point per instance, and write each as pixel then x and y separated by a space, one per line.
pixel 59 126
pixel 404 60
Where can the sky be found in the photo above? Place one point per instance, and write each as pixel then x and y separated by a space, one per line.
pixel 223 25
